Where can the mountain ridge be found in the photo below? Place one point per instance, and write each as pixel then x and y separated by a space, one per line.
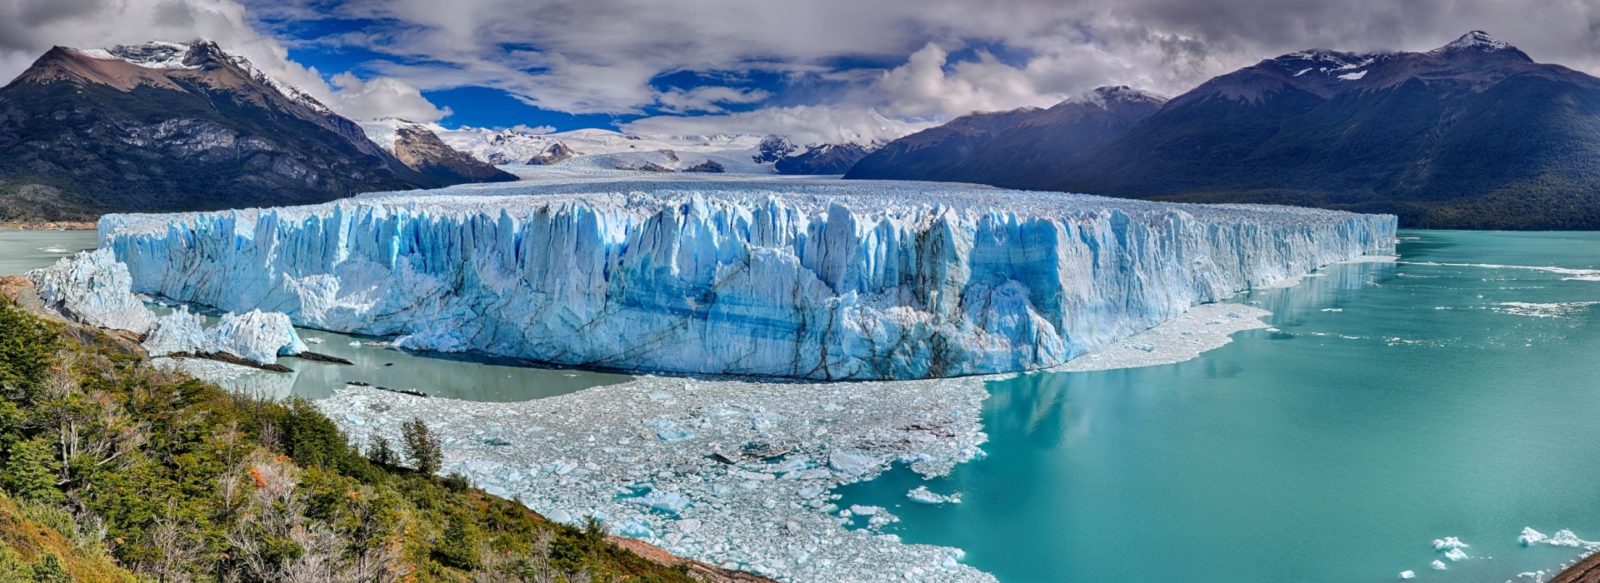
pixel 1473 134
pixel 176 127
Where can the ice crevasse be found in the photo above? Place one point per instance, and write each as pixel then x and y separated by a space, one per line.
pixel 816 280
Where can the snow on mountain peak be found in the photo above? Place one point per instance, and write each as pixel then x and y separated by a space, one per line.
pixel 1122 93
pixel 194 55
pixel 1474 40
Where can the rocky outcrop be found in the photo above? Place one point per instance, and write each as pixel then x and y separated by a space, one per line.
pixel 420 149
pixel 709 166
pixel 557 152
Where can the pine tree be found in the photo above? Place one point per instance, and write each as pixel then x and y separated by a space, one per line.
pixel 31 471
pixel 423 447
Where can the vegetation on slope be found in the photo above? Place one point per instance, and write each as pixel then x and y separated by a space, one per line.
pixel 112 470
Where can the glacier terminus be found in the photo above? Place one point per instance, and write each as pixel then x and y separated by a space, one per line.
pixel 811 279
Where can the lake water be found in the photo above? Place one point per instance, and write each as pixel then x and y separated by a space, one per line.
pixel 1396 404
pixel 1393 405
pixel 21 251
pixel 445 375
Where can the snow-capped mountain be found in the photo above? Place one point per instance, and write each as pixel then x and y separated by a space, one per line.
pixel 175 127
pixel 591 150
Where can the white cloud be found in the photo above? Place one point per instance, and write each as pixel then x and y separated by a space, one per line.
pixel 534 130
pixel 808 124
pixel 708 98
pixel 599 56
pixel 382 97
pixel 922 88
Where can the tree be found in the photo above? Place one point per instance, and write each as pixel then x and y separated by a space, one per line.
pixel 31 471
pixel 379 452
pixel 423 447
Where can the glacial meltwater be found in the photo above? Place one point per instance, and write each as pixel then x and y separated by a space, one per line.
pixel 1449 394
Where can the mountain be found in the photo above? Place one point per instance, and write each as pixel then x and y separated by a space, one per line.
pixel 175 127
pixel 1023 147
pixel 420 149
pixel 822 159
pixel 1474 134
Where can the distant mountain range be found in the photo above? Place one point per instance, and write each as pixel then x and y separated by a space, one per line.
pixel 1474 134
pixel 599 149
pixel 177 127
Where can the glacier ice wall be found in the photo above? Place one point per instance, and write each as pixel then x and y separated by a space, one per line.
pixel 816 280
pixel 94 289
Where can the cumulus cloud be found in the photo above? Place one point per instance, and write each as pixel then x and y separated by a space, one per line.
pixel 929 86
pixel 382 97
pixel 601 56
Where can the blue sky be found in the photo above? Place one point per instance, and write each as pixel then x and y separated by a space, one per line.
pixel 819 70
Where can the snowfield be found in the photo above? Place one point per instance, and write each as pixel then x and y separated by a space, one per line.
pixel 815 279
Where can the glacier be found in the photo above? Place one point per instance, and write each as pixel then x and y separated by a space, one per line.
pixel 813 279
pixel 93 288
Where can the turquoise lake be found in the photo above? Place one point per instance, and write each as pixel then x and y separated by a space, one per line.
pixel 1397 404
pixel 1449 394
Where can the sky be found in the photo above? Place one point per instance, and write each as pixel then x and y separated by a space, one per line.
pixel 814 70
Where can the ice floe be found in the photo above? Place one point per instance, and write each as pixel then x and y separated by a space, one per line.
pixel 923 495
pixel 744 481
pixel 1204 327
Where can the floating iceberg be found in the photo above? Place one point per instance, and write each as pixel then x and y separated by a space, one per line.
pixel 921 494
pixel 93 288
pixel 180 332
pixel 256 336
pixel 812 279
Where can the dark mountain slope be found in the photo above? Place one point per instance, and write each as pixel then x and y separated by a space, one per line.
pixel 1024 147
pixel 175 127
pixel 1471 135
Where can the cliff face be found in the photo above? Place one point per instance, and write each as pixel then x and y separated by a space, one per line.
pixel 823 280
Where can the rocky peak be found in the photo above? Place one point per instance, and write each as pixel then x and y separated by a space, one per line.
pixel 1478 42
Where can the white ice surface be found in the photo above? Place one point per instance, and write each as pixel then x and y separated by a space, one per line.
pixel 813 279
pixel 94 289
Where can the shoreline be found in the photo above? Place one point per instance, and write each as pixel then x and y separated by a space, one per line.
pixel 1586 570
pixel 50 226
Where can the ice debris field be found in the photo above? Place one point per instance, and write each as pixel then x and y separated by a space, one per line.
pixel 818 279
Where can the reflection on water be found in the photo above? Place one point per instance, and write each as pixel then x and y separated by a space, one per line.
pixel 1395 404
pixel 457 376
